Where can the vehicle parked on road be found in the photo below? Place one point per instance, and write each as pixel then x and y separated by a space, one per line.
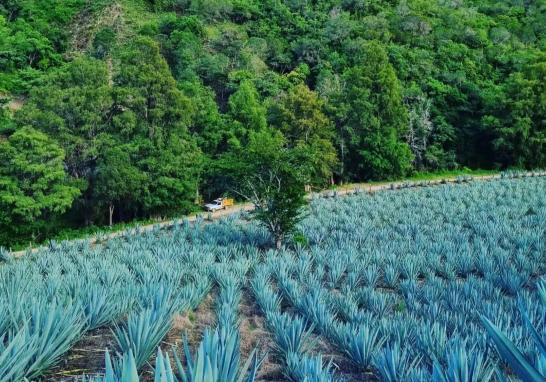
pixel 219 204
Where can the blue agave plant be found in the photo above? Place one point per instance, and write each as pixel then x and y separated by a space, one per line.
pixel 360 343
pixel 394 363
pixel 310 369
pixel 462 365
pixel 291 334
pixel 523 367
pixel 142 332
pixel 217 359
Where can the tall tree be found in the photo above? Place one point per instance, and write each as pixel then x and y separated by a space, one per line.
pixel 73 105
pixel 154 115
pixel 299 116
pixel 376 121
pixel 521 138
pixel 118 182
pixel 34 187
pixel 247 111
pixel 271 176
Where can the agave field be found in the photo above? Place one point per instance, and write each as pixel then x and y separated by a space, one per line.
pixel 442 283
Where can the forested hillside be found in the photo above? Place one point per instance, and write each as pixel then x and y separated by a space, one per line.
pixel 133 108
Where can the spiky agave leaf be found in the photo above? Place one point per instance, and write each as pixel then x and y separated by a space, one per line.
pixel 463 365
pixel 361 343
pixel 163 369
pixel 511 355
pixel 54 330
pixel 291 333
pixel 143 332
pixel 394 363
pixel 16 355
pixel 267 300
pixel 101 306
pixel 125 368
pixel 537 338
pixel 227 317
pixel 309 369
pixel 542 292
pixel 217 359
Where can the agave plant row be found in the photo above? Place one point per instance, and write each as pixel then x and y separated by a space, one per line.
pixel 291 335
pixel 134 285
pixel 403 283
pixel 412 285
pixel 217 359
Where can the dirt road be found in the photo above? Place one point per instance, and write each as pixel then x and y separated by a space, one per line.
pixel 339 191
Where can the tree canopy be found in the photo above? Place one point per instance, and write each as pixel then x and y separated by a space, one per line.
pixel 145 98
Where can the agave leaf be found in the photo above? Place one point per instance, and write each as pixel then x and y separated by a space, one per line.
pixel 163 371
pixel 109 370
pixel 542 292
pixel 129 373
pixel 511 354
pixel 539 341
pixel 252 363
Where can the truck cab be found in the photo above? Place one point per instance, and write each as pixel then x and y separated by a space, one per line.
pixel 218 204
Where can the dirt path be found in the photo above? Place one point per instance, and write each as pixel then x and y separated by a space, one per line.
pixel 339 191
pixel 85 357
pixel 254 335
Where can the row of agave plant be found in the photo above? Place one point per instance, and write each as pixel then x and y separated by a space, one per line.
pixel 291 334
pixel 416 272
pixel 460 179
pixel 135 285
pixel 217 358
pixel 399 344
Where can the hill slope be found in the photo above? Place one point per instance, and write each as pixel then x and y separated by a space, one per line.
pixel 143 98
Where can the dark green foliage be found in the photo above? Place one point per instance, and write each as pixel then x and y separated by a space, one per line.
pixel 145 98
pixel 34 186
pixel 73 105
pixel 103 42
pixel 124 140
pixel 300 117
pixel 376 118
pixel 272 176
pixel 154 117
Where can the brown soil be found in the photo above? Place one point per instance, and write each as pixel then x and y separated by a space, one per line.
pixel 192 324
pixel 254 335
pixel 85 357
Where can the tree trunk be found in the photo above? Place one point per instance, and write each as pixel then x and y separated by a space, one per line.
pixel 110 213
pixel 278 243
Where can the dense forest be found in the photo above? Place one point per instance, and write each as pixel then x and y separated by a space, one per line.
pixel 123 109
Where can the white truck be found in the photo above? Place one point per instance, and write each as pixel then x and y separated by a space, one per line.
pixel 218 204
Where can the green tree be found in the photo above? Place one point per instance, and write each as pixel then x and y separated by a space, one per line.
pixel 271 176
pixel 73 105
pixel 118 182
pixel 521 138
pixel 376 120
pixel 246 110
pixel 299 116
pixel 154 118
pixel 34 187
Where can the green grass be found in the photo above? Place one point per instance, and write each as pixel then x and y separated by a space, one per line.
pixel 431 175
pixel 451 174
pixel 84 232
